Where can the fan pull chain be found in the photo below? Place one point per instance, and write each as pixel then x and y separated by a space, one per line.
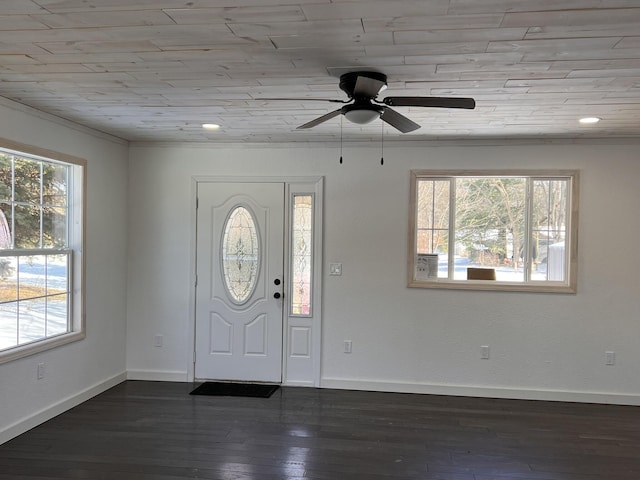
pixel 340 139
pixel 382 144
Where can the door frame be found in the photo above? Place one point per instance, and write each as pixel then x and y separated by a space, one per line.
pixel 301 336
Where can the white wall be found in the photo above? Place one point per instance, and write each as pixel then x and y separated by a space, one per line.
pixel 542 345
pixel 547 346
pixel 79 370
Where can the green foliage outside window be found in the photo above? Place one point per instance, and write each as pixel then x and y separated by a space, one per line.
pixel 33 201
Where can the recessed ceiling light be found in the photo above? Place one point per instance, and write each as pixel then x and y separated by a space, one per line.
pixel 589 120
pixel 210 126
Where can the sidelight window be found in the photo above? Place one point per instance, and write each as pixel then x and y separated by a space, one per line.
pixel 302 255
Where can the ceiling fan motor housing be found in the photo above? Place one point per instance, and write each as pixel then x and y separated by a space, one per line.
pixel 348 81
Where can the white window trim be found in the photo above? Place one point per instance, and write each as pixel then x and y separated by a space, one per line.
pixel 569 286
pixel 77 221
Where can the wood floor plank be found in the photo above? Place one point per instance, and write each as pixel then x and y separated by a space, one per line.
pixel 156 430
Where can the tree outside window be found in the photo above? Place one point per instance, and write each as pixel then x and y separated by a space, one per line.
pixel 517 225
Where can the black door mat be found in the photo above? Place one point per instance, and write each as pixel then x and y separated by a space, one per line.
pixel 258 390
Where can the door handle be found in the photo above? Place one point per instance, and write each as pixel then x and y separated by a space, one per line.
pixel 277 295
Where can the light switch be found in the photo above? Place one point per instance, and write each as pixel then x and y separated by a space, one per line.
pixel 335 269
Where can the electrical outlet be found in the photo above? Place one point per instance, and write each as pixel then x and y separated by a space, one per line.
pixel 610 358
pixel 484 352
pixel 40 371
pixel 157 342
pixel 347 346
pixel 335 269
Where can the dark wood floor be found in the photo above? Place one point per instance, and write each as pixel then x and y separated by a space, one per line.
pixel 154 430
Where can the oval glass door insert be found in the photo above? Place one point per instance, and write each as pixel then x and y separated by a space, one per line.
pixel 240 254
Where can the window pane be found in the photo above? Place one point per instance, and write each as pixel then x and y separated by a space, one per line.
pixel 549 222
pixel 54 185
pixel 27 179
pixel 424 239
pixel 5 225
pixel 6 176
pixel 302 255
pixel 433 215
pixel 490 223
pixel 8 279
pixel 8 325
pixel 57 315
pixel 34 293
pixel 432 232
pixel 31 277
pixel 57 274
pixel 54 227
pixel 240 254
pixel 425 204
pixel 32 324
pixel 27 226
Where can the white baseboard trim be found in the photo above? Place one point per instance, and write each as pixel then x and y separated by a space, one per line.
pixel 157 375
pixel 292 383
pixel 27 423
pixel 485 392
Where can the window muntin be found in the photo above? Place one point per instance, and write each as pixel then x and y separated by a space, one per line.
pixel 519 225
pixel 301 255
pixel 41 202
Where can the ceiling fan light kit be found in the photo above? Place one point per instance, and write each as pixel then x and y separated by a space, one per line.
pixel 363 107
pixel 361 114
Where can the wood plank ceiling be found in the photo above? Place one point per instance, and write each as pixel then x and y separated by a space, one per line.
pixel 155 70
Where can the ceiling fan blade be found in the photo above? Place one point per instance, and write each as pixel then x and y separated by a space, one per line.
pixel 440 102
pixel 368 87
pixel 321 119
pixel 304 99
pixel 398 121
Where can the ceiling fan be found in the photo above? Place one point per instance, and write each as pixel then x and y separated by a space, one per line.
pixel 362 107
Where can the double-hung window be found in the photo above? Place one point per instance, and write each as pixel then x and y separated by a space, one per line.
pixel 41 236
pixel 506 230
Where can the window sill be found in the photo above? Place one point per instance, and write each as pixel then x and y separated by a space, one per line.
pixel 490 285
pixel 22 351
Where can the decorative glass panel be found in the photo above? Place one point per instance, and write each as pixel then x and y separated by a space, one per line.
pixel 301 255
pixel 240 254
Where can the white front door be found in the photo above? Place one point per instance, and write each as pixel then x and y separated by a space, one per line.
pixel 239 267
